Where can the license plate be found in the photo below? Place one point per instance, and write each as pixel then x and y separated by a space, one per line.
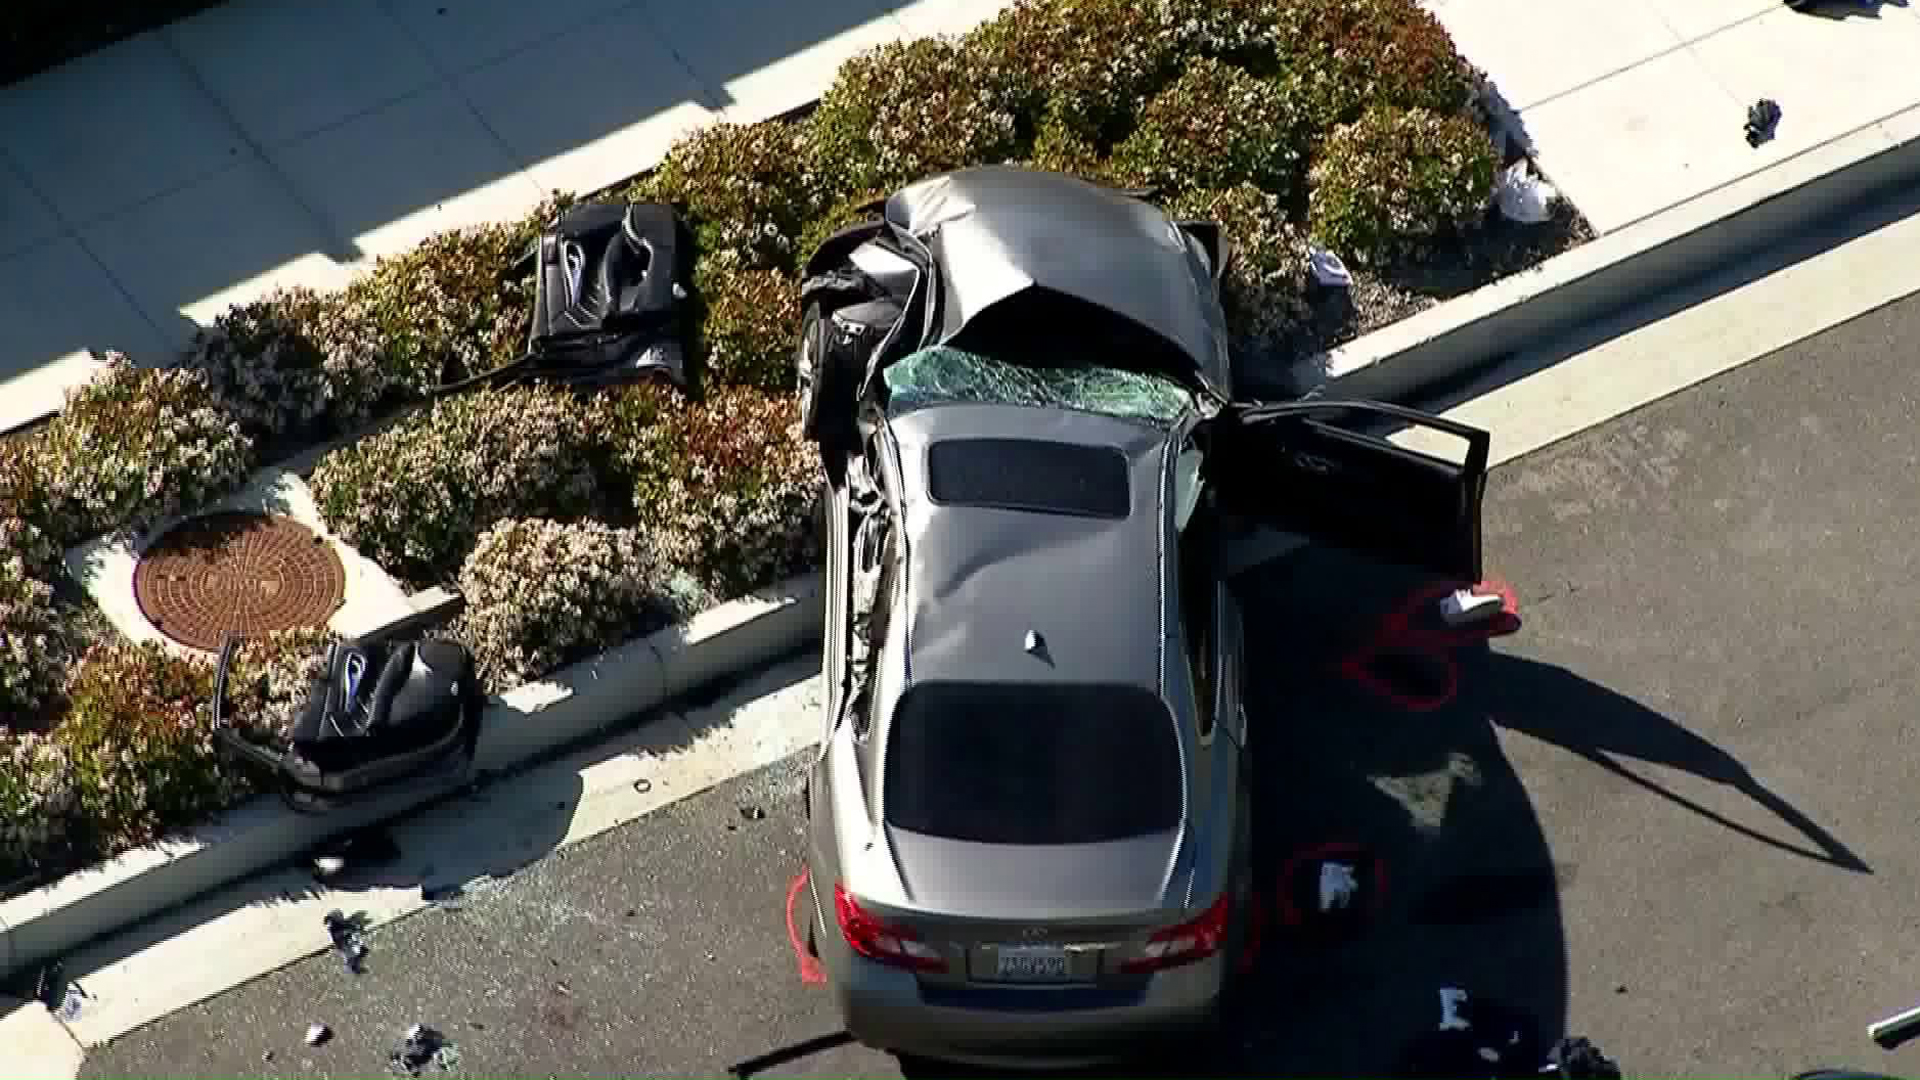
pixel 1032 963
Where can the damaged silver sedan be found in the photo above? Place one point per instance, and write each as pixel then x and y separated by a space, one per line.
pixel 1029 830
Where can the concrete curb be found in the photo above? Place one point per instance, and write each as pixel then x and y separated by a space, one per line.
pixel 522 725
pixel 1624 267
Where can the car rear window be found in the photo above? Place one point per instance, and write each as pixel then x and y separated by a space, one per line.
pixel 1009 763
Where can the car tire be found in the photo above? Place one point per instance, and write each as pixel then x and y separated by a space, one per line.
pixel 826 388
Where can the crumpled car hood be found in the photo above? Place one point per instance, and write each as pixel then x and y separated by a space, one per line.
pixel 999 230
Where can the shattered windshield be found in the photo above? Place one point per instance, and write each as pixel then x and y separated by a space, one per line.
pixel 947 376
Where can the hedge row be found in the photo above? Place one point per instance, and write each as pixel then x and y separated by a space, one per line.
pixel 572 523
pixel 133 755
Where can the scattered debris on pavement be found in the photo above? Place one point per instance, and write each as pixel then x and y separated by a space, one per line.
pixel 1763 119
pixel 347 937
pixel 420 1047
pixel 1579 1059
pixel 1464 606
pixel 1337 885
pixel 1475 1038
pixel 372 846
pixel 752 813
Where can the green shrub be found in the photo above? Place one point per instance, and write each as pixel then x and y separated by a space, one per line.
pixel 1241 32
pixel 845 213
pixel 1056 148
pixel 543 594
pixel 904 110
pixel 269 372
pixel 1348 56
pixel 31 656
pixel 1213 127
pixel 415 497
pixel 271 678
pixel 20 539
pixel 439 312
pixel 749 319
pixel 39 800
pixel 1265 284
pixel 138 731
pixel 133 446
pixel 1086 64
pixel 1397 177
pixel 744 188
pixel 726 489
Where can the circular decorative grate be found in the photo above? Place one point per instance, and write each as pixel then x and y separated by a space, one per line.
pixel 245 574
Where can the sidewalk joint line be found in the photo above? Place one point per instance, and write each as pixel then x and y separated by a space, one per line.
pixel 330 236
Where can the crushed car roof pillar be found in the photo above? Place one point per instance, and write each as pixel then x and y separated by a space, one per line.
pixel 998 231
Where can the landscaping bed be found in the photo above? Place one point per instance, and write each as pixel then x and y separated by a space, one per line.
pixel 573 522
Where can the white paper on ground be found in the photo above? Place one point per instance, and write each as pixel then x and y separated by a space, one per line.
pixel 1522 196
pixel 1337 885
pixel 1465 606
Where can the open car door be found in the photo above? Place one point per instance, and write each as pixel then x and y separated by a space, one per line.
pixel 1312 468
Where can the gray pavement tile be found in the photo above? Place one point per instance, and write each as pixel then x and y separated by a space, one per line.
pixel 1505 38
pixel 114 129
pixel 55 304
pixel 1830 76
pixel 762 58
pixel 610 111
pixel 389 178
pixel 187 256
pixel 25 218
pixel 464 34
pixel 284 68
pixel 1621 150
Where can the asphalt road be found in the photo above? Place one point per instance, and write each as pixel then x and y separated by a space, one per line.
pixel 1674 812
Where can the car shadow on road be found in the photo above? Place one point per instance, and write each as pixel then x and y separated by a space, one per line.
pixel 1557 706
pixel 1469 893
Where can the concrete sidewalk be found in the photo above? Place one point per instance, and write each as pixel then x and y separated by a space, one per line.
pixel 145 188
pixel 1634 106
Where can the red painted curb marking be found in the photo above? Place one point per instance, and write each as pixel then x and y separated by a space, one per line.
pixel 811 972
pixel 1397 632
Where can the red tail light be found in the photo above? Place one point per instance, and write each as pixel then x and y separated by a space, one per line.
pixel 880 941
pixel 1187 943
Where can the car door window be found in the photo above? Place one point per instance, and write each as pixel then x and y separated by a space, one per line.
pixel 1186 484
pixel 1198 626
pixel 1318 469
pixel 879 622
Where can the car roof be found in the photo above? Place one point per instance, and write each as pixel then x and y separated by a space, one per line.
pixel 980 578
pixel 997 231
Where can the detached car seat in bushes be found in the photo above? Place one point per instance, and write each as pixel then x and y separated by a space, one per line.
pixel 381 715
pixel 609 286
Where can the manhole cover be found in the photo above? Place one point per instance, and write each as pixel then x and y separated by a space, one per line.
pixel 244 574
